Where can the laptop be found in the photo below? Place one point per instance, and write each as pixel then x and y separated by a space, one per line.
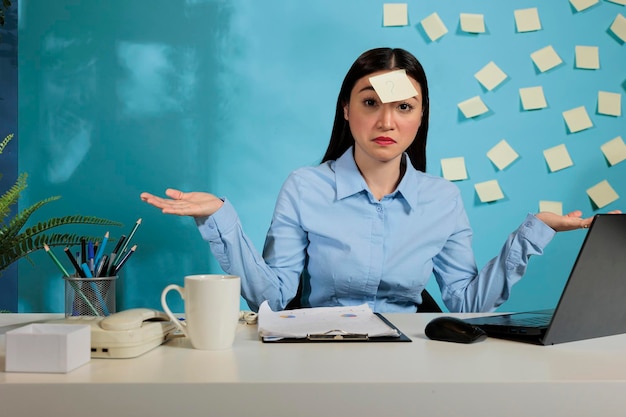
pixel 593 302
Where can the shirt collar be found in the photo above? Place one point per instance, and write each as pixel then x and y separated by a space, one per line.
pixel 347 176
pixel 349 180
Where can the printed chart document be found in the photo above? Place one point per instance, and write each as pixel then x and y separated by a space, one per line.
pixel 354 323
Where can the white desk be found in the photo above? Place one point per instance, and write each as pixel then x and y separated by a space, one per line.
pixel 424 377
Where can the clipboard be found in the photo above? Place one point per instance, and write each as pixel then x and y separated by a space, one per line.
pixel 340 336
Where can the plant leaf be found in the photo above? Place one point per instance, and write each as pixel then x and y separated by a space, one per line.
pixel 24 245
pixel 10 197
pixel 5 142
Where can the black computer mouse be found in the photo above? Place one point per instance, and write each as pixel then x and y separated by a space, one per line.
pixel 452 329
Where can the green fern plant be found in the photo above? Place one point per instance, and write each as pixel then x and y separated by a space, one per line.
pixel 17 242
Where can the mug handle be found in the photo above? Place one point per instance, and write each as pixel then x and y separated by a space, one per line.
pixel 180 324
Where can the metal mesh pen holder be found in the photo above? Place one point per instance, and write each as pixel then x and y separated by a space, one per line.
pixel 89 296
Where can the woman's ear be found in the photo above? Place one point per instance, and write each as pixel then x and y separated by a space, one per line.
pixel 346 111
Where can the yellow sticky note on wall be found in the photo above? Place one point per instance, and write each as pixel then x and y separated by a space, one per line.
pixel 609 103
pixel 489 191
pixel 557 158
pixel 577 119
pixel 490 76
pixel 472 23
pixel 587 57
pixel 546 58
pixel 473 107
pixel 434 27
pixel 581 5
pixel 551 206
pixel 502 155
pixel 533 98
pixel 453 169
pixel 395 14
pixel 618 27
pixel 602 194
pixel 614 150
pixel 527 20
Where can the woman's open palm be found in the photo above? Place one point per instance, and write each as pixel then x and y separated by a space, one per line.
pixel 193 204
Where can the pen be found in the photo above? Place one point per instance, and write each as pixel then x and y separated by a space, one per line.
pixel 90 256
pixel 124 259
pixel 72 283
pixel 130 236
pixel 114 254
pixel 77 267
pixel 83 250
pixel 100 266
pixel 106 262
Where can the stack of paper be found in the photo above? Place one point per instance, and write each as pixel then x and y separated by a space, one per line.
pixel 305 322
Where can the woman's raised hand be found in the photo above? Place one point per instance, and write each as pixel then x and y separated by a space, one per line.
pixel 569 221
pixel 195 204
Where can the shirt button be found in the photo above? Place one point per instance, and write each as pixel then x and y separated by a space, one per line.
pixel 379 209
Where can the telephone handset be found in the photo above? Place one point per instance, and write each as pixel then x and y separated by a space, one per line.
pixel 132 319
pixel 126 334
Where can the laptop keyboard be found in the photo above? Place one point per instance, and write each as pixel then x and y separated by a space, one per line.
pixel 534 321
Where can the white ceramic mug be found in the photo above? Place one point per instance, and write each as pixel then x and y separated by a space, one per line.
pixel 211 309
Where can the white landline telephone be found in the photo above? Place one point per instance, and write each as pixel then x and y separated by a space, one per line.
pixel 126 334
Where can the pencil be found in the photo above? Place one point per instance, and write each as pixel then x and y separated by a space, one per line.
pixel 111 264
pixel 86 270
pixel 95 289
pixel 119 244
pixel 130 236
pixel 72 283
pixel 101 249
pixel 56 260
pixel 124 259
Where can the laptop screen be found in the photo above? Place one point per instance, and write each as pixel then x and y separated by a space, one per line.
pixel 593 302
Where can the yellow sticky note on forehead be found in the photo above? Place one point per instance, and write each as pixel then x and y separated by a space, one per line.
pixel 393 86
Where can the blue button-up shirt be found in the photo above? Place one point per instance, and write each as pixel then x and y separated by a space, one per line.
pixel 351 248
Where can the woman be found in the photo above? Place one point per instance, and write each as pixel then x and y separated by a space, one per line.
pixel 368 225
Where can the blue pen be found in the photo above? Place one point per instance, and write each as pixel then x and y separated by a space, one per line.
pixel 105 310
pixel 90 256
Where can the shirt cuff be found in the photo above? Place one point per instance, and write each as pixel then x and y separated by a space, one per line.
pixel 536 231
pixel 224 219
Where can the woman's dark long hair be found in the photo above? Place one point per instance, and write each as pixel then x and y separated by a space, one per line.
pixel 369 62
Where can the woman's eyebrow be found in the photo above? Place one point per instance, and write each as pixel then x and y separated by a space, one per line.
pixel 366 88
pixel 370 88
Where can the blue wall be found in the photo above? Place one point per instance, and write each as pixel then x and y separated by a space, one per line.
pixel 121 97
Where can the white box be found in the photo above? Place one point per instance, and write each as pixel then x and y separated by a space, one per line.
pixel 47 348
